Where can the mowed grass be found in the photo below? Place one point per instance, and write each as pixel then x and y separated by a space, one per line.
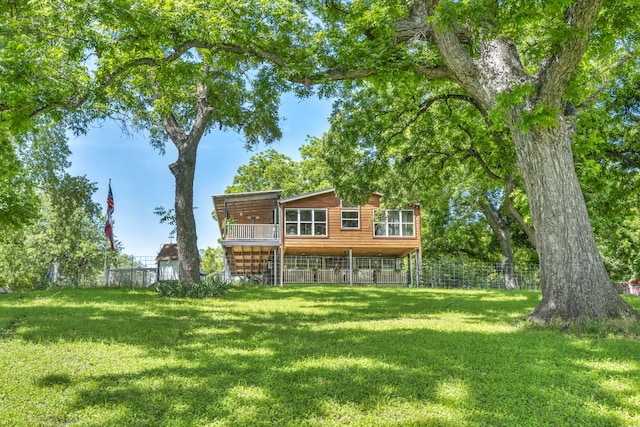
pixel 307 356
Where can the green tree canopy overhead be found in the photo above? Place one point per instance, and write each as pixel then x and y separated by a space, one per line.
pixel 186 69
pixel 43 52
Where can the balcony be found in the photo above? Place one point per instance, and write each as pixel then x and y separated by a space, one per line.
pixel 251 234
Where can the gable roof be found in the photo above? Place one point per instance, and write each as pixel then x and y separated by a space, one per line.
pixel 168 252
pixel 314 193
pixel 307 195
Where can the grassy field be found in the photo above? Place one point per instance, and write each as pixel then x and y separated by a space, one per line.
pixel 307 356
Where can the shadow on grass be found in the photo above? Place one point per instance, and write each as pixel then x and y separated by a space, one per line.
pixel 335 356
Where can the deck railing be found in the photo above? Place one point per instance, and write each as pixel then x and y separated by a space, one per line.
pixel 331 275
pixel 252 232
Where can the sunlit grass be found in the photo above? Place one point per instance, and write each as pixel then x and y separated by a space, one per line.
pixel 308 356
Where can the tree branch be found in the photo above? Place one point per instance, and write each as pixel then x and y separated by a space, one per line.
pixel 515 213
pixel 460 64
pixel 476 155
pixel 595 97
pixel 491 213
pixel 555 74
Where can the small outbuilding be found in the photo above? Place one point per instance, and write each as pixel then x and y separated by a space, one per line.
pixel 167 262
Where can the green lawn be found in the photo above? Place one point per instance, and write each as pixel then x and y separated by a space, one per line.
pixel 307 356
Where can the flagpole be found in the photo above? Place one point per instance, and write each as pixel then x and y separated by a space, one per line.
pixel 106 274
pixel 108 232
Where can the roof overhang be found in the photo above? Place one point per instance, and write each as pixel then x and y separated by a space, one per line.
pixel 254 195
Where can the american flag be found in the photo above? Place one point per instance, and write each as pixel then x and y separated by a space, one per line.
pixel 108 227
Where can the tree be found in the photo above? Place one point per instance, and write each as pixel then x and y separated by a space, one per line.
pixel 181 71
pixel 62 244
pixel 268 170
pixel 213 260
pixel 177 71
pixel 529 65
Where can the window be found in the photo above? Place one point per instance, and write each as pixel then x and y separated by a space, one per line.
pixel 394 223
pixel 350 218
pixel 349 215
pixel 305 222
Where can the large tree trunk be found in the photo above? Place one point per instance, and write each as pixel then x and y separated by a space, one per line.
pixel 188 256
pixel 575 283
pixel 184 171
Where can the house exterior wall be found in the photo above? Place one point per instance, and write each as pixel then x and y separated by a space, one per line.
pixel 340 241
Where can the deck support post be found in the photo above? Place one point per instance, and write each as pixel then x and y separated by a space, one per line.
pixel 418 268
pixel 281 266
pixel 350 266
pixel 275 266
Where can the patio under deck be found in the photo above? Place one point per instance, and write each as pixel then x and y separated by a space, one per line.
pixel 249 260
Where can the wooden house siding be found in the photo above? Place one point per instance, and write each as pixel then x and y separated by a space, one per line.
pixel 339 241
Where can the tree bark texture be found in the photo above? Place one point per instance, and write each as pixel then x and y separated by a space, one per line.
pixel 575 283
pixel 188 256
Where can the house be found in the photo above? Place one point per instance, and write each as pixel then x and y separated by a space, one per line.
pixel 167 263
pixel 318 238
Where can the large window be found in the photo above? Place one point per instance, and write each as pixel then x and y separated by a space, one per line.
pixel 394 223
pixel 305 222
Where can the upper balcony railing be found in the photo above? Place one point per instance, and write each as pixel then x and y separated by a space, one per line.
pixel 252 232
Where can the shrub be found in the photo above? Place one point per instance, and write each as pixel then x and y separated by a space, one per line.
pixel 209 287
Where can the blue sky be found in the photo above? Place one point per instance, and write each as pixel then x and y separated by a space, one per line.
pixel 141 180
